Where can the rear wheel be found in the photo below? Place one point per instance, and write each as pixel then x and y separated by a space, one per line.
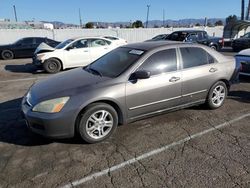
pixel 7 54
pixel 52 65
pixel 213 47
pixel 98 122
pixel 217 95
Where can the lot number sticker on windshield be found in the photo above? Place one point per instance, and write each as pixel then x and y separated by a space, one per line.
pixel 136 52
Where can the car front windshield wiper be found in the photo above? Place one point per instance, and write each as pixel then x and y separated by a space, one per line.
pixel 94 71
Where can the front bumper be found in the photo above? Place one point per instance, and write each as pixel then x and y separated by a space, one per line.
pixel 36 61
pixel 57 125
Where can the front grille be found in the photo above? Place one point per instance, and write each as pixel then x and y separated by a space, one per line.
pixel 245 67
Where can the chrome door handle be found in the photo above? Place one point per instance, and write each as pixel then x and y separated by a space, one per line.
pixel 213 70
pixel 85 51
pixel 174 79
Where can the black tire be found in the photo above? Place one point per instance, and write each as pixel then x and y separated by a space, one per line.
pixel 212 95
pixel 214 47
pixel 85 122
pixel 7 54
pixel 52 65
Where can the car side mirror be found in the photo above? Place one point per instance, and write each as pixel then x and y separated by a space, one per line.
pixel 141 74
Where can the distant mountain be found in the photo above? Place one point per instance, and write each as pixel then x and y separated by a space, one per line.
pixel 182 22
pixel 151 23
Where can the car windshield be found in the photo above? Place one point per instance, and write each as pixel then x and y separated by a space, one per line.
pixel 247 35
pixel 63 44
pixel 115 62
pixel 177 36
pixel 18 41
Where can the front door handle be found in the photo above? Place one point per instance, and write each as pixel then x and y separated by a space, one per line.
pixel 174 79
pixel 213 69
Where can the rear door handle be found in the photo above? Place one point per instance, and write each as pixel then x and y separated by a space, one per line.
pixel 174 79
pixel 213 70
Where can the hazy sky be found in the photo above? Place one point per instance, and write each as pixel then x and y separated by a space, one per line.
pixel 117 10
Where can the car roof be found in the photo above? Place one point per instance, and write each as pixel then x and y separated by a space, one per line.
pixel 189 31
pixel 150 45
pixel 78 38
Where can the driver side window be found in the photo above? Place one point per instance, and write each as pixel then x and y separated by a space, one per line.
pixel 161 62
pixel 80 44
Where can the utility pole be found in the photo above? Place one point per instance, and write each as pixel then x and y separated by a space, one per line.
pixel 248 10
pixel 14 7
pixel 147 16
pixel 80 18
pixel 163 18
pixel 242 9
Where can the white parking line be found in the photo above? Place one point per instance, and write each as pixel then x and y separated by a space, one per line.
pixel 22 79
pixel 151 153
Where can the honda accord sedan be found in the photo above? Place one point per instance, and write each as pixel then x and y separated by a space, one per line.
pixel 127 84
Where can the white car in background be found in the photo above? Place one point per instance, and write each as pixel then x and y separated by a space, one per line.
pixel 75 52
pixel 117 40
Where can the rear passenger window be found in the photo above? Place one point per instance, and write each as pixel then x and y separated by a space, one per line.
pixel 160 62
pixel 193 57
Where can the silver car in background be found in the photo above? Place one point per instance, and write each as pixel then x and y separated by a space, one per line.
pixel 127 84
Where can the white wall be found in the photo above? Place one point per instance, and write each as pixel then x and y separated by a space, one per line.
pixel 131 35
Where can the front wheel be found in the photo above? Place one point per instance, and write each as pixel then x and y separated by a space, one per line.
pixel 217 95
pixel 52 65
pixel 97 123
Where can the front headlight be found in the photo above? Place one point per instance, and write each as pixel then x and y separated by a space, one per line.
pixel 51 106
pixel 40 56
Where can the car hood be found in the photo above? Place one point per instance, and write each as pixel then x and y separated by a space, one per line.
pixel 245 52
pixel 43 47
pixel 64 84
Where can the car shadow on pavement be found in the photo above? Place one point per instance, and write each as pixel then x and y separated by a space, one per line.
pixel 27 68
pixel 241 96
pixel 244 79
pixel 13 129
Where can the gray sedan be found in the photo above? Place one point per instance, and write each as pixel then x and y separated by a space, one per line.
pixel 129 83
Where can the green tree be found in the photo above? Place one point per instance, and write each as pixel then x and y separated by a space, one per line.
pixel 89 25
pixel 137 24
pixel 231 19
pixel 218 23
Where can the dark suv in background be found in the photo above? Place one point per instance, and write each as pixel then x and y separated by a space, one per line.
pixel 241 43
pixel 197 36
pixel 24 47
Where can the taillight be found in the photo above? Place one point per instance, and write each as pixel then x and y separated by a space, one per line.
pixel 221 41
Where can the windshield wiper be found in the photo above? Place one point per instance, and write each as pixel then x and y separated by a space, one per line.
pixel 89 69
